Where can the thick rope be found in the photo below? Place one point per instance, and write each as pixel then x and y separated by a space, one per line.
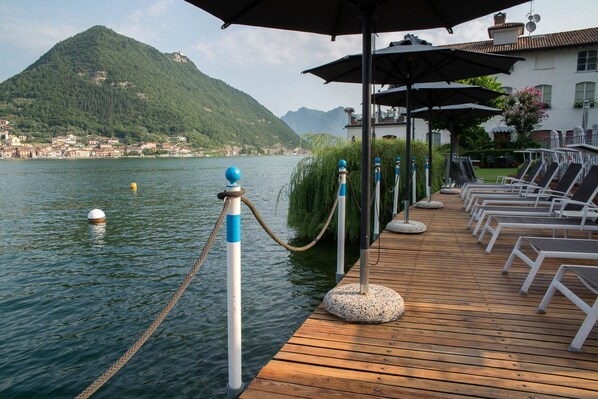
pixel 278 240
pixel 392 188
pixel 98 383
pixel 353 194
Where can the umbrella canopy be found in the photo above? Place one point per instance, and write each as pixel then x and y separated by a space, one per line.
pixel 342 17
pixel 409 62
pixel 459 112
pixel 435 94
pixel 455 113
pixel 339 17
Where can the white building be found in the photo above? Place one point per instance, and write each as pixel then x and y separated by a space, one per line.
pixel 561 65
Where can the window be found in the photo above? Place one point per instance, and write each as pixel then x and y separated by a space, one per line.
pixel 545 94
pixel 584 91
pixel 508 90
pixel 435 138
pixel 586 60
pixel 544 61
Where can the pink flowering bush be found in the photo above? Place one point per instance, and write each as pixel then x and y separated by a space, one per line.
pixel 524 111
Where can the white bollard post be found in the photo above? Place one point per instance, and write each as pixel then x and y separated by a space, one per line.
pixel 428 188
pixel 413 180
pixel 377 199
pixel 395 199
pixel 233 265
pixel 342 196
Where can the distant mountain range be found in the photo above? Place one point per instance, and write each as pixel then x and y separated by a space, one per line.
pixel 306 120
pixel 101 82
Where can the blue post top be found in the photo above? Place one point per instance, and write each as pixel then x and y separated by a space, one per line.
pixel 377 161
pixel 414 159
pixel 427 159
pixel 342 164
pixel 233 175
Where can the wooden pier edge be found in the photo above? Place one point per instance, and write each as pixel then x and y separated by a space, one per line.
pixel 466 331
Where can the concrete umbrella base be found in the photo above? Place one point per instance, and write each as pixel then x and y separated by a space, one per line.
pixel 429 205
pixel 448 190
pixel 379 305
pixel 410 227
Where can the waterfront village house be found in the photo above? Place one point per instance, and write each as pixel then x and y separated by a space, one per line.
pixel 562 66
pixel 71 139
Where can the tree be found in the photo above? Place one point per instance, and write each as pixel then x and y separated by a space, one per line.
pixel 524 111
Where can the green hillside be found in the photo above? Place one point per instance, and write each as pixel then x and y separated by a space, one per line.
pixel 101 82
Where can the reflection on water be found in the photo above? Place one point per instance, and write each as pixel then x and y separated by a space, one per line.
pixel 74 296
pixel 97 232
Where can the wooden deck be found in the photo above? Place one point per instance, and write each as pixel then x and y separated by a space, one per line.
pixel 466 331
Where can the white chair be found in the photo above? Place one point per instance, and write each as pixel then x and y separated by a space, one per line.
pixel 589 277
pixel 570 248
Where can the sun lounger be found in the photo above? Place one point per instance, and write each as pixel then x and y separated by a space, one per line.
pixel 585 193
pixel 501 181
pixel 542 196
pixel 524 191
pixel 582 220
pixel 588 275
pixel 513 186
pixel 549 248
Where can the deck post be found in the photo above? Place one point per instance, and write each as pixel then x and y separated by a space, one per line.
pixel 377 198
pixel 342 196
pixel 395 199
pixel 414 180
pixel 233 264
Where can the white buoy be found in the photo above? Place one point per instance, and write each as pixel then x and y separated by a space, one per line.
pixel 96 216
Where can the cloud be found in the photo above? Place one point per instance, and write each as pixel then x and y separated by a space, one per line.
pixel 141 23
pixel 33 37
pixel 250 47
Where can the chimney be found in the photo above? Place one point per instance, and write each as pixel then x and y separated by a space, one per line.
pixel 504 33
pixel 500 18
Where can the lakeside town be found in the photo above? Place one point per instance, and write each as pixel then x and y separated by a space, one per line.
pixel 18 146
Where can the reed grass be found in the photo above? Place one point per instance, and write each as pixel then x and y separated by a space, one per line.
pixel 314 183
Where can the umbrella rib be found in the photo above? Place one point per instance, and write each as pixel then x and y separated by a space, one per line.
pixel 240 14
pixel 446 25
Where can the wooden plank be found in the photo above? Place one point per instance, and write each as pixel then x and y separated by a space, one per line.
pixel 466 331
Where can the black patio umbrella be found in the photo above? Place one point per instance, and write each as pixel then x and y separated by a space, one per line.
pixel 433 94
pixel 412 61
pixel 454 113
pixel 343 17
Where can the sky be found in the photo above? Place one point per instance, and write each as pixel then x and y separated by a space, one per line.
pixel 264 63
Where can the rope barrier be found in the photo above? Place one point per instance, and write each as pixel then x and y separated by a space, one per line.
pixel 116 366
pixel 101 380
pixel 353 193
pixel 278 240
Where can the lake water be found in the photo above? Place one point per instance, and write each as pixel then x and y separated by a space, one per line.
pixel 75 296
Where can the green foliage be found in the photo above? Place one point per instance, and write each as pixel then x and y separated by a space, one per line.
pixel 476 139
pixel 524 111
pixel 471 135
pixel 100 82
pixel 314 184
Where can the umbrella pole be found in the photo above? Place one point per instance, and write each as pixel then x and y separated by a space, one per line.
pixel 407 153
pixel 364 253
pixel 430 154
pixel 450 168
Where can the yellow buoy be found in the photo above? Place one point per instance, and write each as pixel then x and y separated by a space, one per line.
pixel 133 186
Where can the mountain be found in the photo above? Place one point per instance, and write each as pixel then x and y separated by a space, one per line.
pixel 105 83
pixel 306 120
